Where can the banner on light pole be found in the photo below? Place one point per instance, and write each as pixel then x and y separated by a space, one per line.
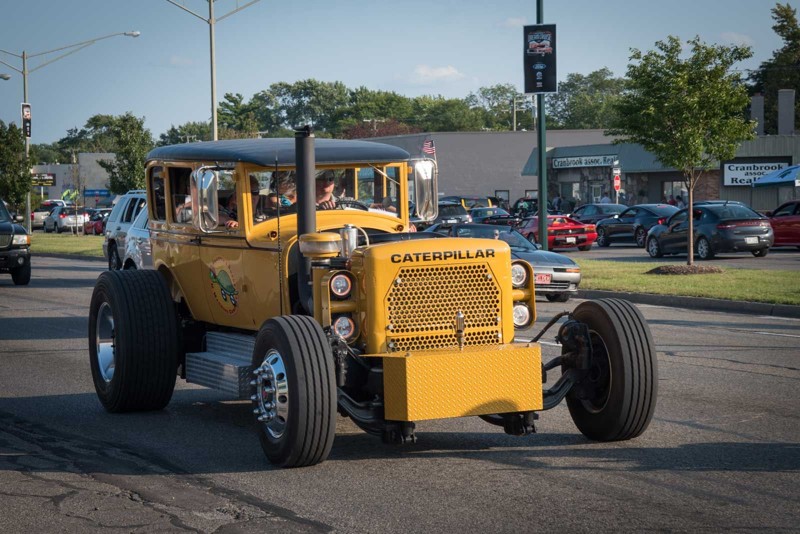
pixel 26 119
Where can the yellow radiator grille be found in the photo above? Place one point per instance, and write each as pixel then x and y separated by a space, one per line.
pixel 423 302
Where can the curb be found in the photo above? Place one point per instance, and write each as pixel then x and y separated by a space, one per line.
pixel 68 256
pixel 698 303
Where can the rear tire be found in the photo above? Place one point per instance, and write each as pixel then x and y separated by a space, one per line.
pixel 294 391
pixel 619 394
pixel 653 248
pixel 114 262
pixel 704 250
pixel 133 341
pixel 21 275
pixel 760 253
pixel 640 236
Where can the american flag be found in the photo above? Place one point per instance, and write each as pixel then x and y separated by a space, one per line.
pixel 428 147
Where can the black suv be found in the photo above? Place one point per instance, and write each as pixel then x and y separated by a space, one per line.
pixel 15 243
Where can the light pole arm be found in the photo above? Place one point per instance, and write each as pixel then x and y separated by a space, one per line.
pixel 10 66
pixel 59 57
pixel 248 4
pixel 84 44
pixel 187 10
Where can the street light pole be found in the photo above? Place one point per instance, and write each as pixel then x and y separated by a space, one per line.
pixel 71 49
pixel 212 21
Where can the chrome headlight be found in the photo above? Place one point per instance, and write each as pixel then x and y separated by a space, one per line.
pixel 344 327
pixel 341 286
pixel 522 315
pixel 519 275
pixel 23 239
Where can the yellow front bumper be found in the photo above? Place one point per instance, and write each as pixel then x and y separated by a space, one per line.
pixel 478 380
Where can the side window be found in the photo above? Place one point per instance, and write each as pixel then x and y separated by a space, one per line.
pixel 138 205
pixel 784 211
pixel 589 210
pixel 130 211
pixel 181 199
pixel 158 197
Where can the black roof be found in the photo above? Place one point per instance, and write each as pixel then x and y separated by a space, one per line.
pixel 266 152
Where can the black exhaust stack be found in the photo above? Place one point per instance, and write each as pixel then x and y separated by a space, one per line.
pixel 306 207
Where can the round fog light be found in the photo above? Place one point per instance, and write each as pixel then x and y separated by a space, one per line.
pixel 20 260
pixel 344 327
pixel 519 275
pixel 522 315
pixel 341 285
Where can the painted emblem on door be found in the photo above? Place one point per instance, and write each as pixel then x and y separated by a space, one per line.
pixel 223 286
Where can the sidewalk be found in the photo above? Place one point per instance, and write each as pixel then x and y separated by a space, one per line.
pixel 698 303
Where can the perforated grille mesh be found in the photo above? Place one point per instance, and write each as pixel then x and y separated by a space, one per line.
pixel 423 303
pixel 5 240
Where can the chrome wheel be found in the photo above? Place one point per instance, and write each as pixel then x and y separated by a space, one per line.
pixel 704 249
pixel 640 237
pixel 653 249
pixel 271 398
pixel 104 342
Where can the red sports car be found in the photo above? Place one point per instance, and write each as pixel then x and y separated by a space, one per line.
pixel 562 232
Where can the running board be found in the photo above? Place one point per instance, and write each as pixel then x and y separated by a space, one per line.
pixel 225 365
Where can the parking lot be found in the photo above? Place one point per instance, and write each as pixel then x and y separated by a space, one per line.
pixel 720 454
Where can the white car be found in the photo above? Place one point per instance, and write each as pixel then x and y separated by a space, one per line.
pixel 138 254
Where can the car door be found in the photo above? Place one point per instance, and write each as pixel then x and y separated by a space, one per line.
pixel 675 238
pixel 622 226
pixel 785 223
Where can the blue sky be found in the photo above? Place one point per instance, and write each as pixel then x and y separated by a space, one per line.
pixel 413 47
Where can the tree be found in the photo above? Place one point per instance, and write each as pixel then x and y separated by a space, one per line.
pixel 688 112
pixel 238 116
pixel 783 70
pixel 439 114
pixel 133 142
pixel 584 102
pixel 185 133
pixel 497 104
pixel 15 169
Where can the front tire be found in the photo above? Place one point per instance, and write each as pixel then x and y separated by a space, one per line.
pixel 584 248
pixel 294 391
pixel 602 238
pixel 21 275
pixel 653 248
pixel 133 341
pixel 617 398
pixel 760 253
pixel 558 297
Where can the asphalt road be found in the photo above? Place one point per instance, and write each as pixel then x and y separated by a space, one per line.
pixel 782 258
pixel 722 453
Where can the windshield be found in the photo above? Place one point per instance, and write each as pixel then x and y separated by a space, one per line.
pixel 733 211
pixel 514 239
pixel 4 215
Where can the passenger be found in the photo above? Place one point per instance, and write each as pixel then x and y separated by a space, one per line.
pixel 255 192
pixel 325 182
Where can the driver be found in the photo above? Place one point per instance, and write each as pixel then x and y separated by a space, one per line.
pixel 325 183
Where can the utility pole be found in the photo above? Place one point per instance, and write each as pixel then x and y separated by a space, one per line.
pixel 541 133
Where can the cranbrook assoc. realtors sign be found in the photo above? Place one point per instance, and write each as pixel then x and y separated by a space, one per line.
pixel 584 161
pixel 743 173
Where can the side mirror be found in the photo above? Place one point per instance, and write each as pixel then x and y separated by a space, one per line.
pixel 204 184
pixel 426 193
pixel 19 218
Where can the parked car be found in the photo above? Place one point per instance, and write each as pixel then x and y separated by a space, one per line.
pixel 137 244
pixel 632 224
pixel 493 216
pixel 469 202
pixel 64 218
pixel 96 223
pixel 15 244
pixel 556 276
pixel 730 227
pixel 40 214
pixel 449 212
pixel 562 232
pixel 119 220
pixel 785 223
pixel 592 213
pixel 527 207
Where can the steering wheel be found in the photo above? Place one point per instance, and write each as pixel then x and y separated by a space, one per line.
pixel 351 203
